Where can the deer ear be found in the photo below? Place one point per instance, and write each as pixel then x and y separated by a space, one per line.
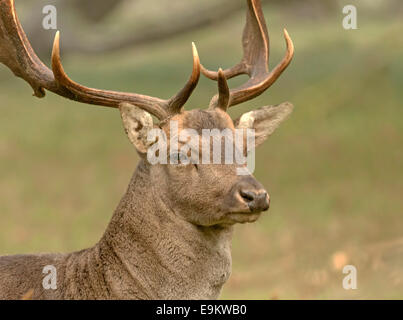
pixel 264 120
pixel 137 124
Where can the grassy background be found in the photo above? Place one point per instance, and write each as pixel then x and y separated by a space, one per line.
pixel 334 170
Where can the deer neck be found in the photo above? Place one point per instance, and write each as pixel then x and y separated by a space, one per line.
pixel 152 253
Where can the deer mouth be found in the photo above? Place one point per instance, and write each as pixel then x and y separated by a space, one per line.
pixel 243 217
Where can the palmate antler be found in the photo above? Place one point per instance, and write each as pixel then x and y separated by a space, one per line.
pixel 255 62
pixel 17 54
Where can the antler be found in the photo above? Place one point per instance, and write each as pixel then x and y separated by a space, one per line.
pixel 254 62
pixel 17 54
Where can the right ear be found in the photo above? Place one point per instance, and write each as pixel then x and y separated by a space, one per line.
pixel 137 124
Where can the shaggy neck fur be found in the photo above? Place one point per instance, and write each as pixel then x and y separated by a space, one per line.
pixel 149 252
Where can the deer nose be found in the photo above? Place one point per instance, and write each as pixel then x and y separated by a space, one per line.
pixel 256 200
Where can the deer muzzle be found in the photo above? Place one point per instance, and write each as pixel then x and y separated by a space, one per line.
pixel 257 201
pixel 252 194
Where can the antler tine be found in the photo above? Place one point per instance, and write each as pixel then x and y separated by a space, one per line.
pixel 106 98
pixel 255 61
pixel 230 73
pixel 177 102
pixel 17 54
pixel 260 82
pixel 223 92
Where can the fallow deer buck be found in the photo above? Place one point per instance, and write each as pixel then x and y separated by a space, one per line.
pixel 170 235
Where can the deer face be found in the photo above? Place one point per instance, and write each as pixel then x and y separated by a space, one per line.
pixel 205 194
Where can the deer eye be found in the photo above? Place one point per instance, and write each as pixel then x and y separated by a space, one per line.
pixel 179 158
pixel 182 160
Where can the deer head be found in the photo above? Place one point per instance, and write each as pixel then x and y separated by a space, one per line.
pixel 203 194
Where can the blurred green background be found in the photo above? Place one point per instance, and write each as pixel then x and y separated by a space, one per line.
pixel 334 169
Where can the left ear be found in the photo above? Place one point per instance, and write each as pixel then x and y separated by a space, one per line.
pixel 264 120
pixel 137 123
